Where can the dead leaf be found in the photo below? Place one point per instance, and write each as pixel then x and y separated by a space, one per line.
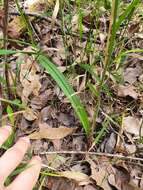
pixel 38 6
pixel 129 90
pixel 77 176
pixel 66 119
pixel 29 78
pixel 134 28
pixel 56 144
pixel 40 101
pixel 55 160
pixel 30 115
pixel 79 143
pixel 109 144
pixel 16 27
pixel 131 74
pixel 121 180
pixel 141 78
pixel 130 148
pixel 100 174
pixel 132 125
pixel 60 183
pixel 51 133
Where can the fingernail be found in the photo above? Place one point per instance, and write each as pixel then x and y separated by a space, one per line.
pixel 26 139
pixel 8 128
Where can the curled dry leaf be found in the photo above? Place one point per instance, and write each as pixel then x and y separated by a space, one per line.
pixel 129 90
pixel 132 125
pixel 77 176
pixel 51 133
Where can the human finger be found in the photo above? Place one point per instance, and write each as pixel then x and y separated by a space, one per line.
pixel 27 179
pixel 4 133
pixel 12 158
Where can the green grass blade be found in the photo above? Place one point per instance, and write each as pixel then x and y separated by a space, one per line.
pixel 68 91
pixel 2 80
pixel 11 52
pixel 130 9
pixel 15 102
pixel 7 52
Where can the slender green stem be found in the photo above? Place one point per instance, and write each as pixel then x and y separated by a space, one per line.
pixel 108 54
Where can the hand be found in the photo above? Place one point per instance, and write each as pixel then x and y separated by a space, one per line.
pixel 12 158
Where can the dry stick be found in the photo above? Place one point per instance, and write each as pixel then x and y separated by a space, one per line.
pixel 95 153
pixel 5 35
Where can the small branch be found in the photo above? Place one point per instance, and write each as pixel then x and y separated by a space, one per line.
pixel 96 154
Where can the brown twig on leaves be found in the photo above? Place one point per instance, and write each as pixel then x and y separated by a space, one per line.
pixel 118 156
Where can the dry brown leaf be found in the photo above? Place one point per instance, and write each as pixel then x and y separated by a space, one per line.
pixel 131 74
pixel 38 6
pixel 29 114
pixel 66 119
pixel 29 79
pixel 77 176
pixel 132 125
pixel 40 101
pixel 121 180
pixel 130 148
pixel 51 133
pixel 55 160
pixel 16 27
pixel 100 174
pixel 129 90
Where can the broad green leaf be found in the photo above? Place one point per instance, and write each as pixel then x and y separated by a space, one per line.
pixel 68 91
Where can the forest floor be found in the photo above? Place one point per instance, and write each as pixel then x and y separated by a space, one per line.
pixel 74 36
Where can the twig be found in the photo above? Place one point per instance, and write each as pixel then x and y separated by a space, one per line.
pixel 15 13
pixel 96 154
